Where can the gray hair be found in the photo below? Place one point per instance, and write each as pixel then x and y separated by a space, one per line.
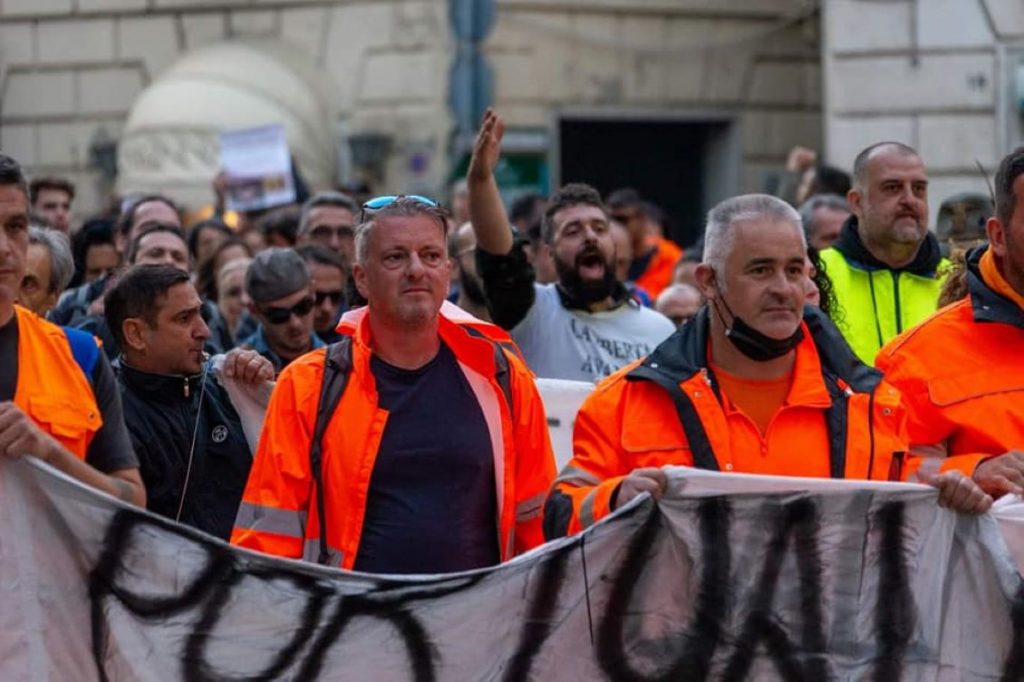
pixel 719 237
pixel 62 265
pixel 831 201
pixel 403 207
pixel 338 199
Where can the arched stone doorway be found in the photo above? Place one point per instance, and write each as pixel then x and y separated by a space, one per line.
pixel 170 141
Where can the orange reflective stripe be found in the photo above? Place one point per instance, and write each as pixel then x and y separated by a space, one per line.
pixel 531 508
pixel 271 520
pixel 311 553
pixel 268 543
pixel 587 509
pixel 576 477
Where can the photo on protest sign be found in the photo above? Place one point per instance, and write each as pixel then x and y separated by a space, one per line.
pixel 258 168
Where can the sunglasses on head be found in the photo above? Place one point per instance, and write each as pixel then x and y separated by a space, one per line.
pixel 282 315
pixel 377 203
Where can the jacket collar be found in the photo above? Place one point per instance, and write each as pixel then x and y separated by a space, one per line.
pixel 988 306
pixel 474 352
pixel 823 351
pixel 168 388
pixel 925 263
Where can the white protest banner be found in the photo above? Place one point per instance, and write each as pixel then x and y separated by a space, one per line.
pixel 835 580
pixel 258 166
pixel 562 400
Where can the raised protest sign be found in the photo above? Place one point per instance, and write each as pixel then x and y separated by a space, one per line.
pixel 728 578
pixel 258 167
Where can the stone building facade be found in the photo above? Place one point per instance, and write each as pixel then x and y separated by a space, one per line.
pixel 944 76
pixel 759 75
pixel 70 71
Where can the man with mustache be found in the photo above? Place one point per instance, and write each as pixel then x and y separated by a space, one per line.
pixel 757 383
pixel 886 266
pixel 584 326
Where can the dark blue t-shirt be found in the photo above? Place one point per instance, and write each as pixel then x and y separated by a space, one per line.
pixel 432 503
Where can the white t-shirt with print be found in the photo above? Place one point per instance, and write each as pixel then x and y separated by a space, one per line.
pixel 560 343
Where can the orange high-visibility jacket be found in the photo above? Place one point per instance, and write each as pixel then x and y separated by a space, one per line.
pixel 839 420
pixel 961 373
pixel 658 273
pixel 52 389
pixel 278 511
pixel 477 327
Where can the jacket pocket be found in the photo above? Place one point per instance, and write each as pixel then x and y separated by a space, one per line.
pixel 946 391
pixel 64 420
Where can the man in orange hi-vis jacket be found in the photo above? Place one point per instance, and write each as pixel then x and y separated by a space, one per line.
pixel 437 456
pixel 961 371
pixel 756 383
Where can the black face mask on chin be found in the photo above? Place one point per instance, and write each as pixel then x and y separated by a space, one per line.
pixel 752 343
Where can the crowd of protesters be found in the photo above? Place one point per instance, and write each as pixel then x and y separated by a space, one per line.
pixel 824 332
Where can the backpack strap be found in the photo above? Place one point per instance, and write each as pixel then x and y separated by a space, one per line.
pixel 502 374
pixel 84 349
pixel 337 368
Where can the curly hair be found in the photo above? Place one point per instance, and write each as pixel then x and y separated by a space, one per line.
pixel 954 287
pixel 829 303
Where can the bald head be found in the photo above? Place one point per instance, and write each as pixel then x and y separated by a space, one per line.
pixel 879 149
pixel 678 302
pixel 464 240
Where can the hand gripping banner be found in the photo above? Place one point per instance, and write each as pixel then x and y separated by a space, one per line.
pixel 727 578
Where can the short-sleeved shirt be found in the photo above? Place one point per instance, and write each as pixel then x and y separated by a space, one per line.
pixel 560 339
pixel 432 502
pixel 111 447
pixel 563 343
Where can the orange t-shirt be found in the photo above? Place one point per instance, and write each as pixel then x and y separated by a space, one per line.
pixel 756 398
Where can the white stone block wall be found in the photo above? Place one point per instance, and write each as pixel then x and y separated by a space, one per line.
pixel 929 73
pixel 755 62
pixel 70 69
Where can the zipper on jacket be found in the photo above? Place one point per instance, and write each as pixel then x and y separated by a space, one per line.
pixel 186 386
pixel 874 307
pixel 896 297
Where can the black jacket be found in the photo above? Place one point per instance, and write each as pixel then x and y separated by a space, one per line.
pixel 160 412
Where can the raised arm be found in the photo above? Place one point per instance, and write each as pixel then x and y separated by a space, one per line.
pixel 486 211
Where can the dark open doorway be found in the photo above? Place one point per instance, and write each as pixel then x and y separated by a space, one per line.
pixel 682 166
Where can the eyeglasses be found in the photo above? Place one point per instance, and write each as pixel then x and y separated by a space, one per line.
pixel 335 296
pixel 282 315
pixel 377 203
